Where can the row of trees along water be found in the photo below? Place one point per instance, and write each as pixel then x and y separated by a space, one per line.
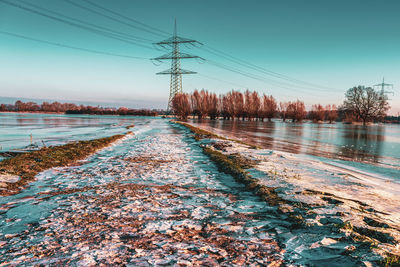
pixel 69 108
pixel 361 104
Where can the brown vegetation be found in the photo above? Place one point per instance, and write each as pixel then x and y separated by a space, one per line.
pixel 296 111
pixel 236 105
pixel 331 113
pixel 181 106
pixel 317 113
pixel 269 107
pixel 361 104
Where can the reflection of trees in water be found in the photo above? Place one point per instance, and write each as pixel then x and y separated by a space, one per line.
pixel 254 132
pixel 362 143
pixel 294 136
pixel 314 147
pixel 23 120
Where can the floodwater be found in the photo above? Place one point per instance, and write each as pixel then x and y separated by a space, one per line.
pixel 55 129
pixel 153 198
pixel 373 148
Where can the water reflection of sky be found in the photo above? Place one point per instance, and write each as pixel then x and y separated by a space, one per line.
pixel 373 144
pixel 53 129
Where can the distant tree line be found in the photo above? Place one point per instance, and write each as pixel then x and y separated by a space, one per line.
pixel 247 106
pixel 362 105
pixel 69 108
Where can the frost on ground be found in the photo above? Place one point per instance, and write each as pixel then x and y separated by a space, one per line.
pixel 150 199
pixel 341 207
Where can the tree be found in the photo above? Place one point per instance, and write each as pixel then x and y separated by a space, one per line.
pixel 365 104
pixel 269 107
pixel 181 106
pixel 212 106
pixel 238 104
pixel 317 113
pixel 283 106
pixel 296 111
pixel 331 113
pixel 254 111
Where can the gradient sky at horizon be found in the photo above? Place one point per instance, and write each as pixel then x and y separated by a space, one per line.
pixel 338 44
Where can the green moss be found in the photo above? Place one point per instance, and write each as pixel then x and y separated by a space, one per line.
pixel 28 165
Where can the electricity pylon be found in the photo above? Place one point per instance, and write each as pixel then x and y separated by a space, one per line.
pixel 175 56
pixel 383 86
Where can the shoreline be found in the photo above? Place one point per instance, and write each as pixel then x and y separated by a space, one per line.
pixel 270 178
pixel 63 113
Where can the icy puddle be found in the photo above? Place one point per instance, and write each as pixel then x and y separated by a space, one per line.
pixel 152 198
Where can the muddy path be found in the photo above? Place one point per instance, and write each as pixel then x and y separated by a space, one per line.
pixel 152 198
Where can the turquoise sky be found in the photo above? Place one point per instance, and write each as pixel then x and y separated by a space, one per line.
pixel 335 44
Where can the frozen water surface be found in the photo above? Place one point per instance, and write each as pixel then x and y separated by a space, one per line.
pixel 153 198
pixel 374 148
pixel 55 129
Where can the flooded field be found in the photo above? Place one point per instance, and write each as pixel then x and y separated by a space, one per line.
pixel 55 129
pixel 374 149
pixel 154 198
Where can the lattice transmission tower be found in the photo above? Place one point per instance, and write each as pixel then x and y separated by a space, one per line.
pixel 383 86
pixel 175 56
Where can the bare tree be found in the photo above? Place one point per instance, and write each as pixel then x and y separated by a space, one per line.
pixel 296 111
pixel 238 104
pixel 283 106
pixel 181 106
pixel 317 113
pixel 255 106
pixel 212 105
pixel 198 104
pixel 269 107
pixel 366 104
pixel 331 113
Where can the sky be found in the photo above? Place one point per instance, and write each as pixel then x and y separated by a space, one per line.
pixel 324 47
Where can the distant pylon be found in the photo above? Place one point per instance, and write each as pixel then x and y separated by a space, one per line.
pixel 383 86
pixel 175 55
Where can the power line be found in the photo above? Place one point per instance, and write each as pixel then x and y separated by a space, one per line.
pixel 221 80
pixel 128 18
pixel 243 63
pixel 69 46
pixel 120 34
pixel 111 18
pixel 99 32
pixel 265 71
pixel 253 76
pixel 123 37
